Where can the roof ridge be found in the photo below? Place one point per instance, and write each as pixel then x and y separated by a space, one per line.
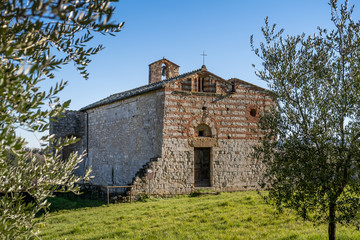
pixel 159 82
pixel 182 75
pixel 246 82
pixel 135 91
pixel 164 58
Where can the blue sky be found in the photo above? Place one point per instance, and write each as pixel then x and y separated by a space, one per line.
pixel 180 31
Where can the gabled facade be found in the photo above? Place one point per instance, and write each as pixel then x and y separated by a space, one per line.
pixel 189 131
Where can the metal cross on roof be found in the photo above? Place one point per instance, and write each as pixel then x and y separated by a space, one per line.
pixel 204 55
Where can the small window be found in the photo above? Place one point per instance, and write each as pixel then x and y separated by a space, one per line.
pixel 233 87
pixel 253 112
pixel 202 130
pixel 200 85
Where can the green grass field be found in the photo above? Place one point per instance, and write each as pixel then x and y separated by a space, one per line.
pixel 240 215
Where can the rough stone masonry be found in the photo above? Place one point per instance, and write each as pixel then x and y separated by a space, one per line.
pixel 193 130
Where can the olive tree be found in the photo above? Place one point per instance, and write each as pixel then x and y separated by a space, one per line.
pixel 310 141
pixel 38 37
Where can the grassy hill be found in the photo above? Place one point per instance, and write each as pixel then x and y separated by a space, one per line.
pixel 240 215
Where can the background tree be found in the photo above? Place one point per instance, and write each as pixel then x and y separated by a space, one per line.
pixel 311 147
pixel 36 38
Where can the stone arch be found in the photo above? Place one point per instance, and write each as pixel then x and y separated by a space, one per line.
pixel 164 70
pixel 203 121
pixel 161 70
pixel 202 130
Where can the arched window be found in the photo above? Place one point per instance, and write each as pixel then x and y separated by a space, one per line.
pixel 205 84
pixel 203 130
pixel 163 71
pixel 233 89
pixel 200 84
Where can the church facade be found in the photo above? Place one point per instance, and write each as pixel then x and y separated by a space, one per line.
pixel 182 131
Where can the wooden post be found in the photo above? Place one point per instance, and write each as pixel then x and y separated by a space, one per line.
pixel 108 191
pixel 108 198
pixel 130 194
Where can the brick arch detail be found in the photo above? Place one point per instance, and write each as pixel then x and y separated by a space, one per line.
pixel 195 121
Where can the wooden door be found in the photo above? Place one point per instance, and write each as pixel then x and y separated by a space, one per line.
pixel 202 167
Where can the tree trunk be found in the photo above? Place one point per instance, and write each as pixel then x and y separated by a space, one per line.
pixel 332 222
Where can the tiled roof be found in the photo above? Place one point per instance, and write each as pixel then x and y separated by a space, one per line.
pixel 250 85
pixel 135 91
pixel 247 84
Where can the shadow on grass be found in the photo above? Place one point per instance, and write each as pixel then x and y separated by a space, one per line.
pixel 70 202
pixel 66 203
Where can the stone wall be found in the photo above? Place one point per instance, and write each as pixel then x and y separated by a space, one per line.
pixel 227 113
pixel 123 136
pixel 232 169
pixel 155 70
pixel 71 123
pixel 232 166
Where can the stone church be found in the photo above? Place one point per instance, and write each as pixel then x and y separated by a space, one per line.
pixel 184 131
